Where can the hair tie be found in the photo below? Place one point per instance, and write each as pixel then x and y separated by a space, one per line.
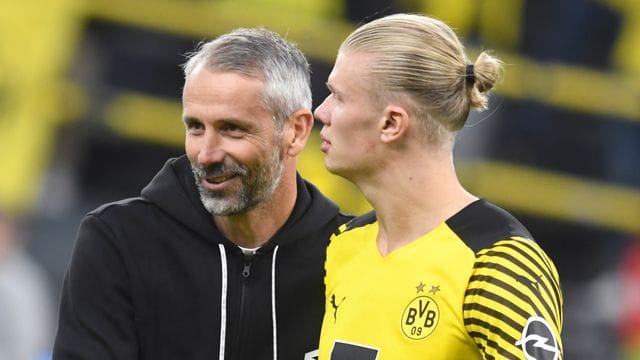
pixel 470 75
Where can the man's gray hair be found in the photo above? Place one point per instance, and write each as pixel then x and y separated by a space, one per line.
pixel 262 54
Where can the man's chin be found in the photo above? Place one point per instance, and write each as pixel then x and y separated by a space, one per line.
pixel 222 210
pixel 219 207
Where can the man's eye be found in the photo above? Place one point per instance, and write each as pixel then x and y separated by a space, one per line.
pixel 194 127
pixel 233 130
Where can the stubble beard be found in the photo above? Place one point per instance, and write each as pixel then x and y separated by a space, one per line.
pixel 257 183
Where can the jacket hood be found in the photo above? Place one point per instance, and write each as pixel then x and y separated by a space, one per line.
pixel 174 191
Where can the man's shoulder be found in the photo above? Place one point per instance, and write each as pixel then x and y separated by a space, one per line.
pixel 122 211
pixel 481 224
pixel 122 205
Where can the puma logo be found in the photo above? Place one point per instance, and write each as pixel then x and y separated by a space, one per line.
pixel 335 306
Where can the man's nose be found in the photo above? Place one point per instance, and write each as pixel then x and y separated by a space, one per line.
pixel 211 151
pixel 321 113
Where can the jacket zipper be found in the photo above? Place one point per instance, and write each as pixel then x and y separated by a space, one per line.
pixel 244 298
pixel 246 272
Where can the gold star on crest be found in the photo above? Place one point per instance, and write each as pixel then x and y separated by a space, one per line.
pixel 420 287
pixel 434 289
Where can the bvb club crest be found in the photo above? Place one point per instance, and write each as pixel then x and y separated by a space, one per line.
pixel 420 318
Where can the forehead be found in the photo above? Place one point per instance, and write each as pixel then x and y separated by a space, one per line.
pixel 220 84
pixel 207 91
pixel 351 70
pixel 351 79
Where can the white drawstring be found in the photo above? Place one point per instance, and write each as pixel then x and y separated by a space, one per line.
pixel 273 304
pixel 223 301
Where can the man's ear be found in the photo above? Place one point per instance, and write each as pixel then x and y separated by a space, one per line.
pixel 395 125
pixel 297 130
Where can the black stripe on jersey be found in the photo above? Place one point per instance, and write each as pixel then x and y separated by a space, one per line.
pixel 499 299
pixel 545 270
pixel 550 267
pixel 496 330
pixel 362 220
pixel 480 224
pixel 493 345
pixel 510 288
pixel 493 313
pixel 543 257
pixel 519 278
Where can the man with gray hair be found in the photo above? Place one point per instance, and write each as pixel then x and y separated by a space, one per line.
pixel 221 257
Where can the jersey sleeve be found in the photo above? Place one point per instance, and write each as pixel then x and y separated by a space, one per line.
pixel 96 318
pixel 513 302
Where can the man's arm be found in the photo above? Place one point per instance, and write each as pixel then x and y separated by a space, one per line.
pixel 96 319
pixel 513 303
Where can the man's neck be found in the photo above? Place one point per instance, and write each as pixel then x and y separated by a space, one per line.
pixel 258 225
pixel 415 201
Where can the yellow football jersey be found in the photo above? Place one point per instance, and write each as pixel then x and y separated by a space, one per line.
pixel 476 287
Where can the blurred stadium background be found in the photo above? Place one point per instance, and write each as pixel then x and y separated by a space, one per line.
pixel 90 110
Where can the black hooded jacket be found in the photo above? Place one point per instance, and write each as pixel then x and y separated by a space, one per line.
pixel 153 278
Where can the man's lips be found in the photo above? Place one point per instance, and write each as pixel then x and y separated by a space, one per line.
pixel 326 144
pixel 212 182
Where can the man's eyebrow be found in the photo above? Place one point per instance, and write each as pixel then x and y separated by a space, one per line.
pixel 333 89
pixel 329 86
pixel 189 119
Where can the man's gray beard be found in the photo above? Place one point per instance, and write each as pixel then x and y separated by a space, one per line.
pixel 256 185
